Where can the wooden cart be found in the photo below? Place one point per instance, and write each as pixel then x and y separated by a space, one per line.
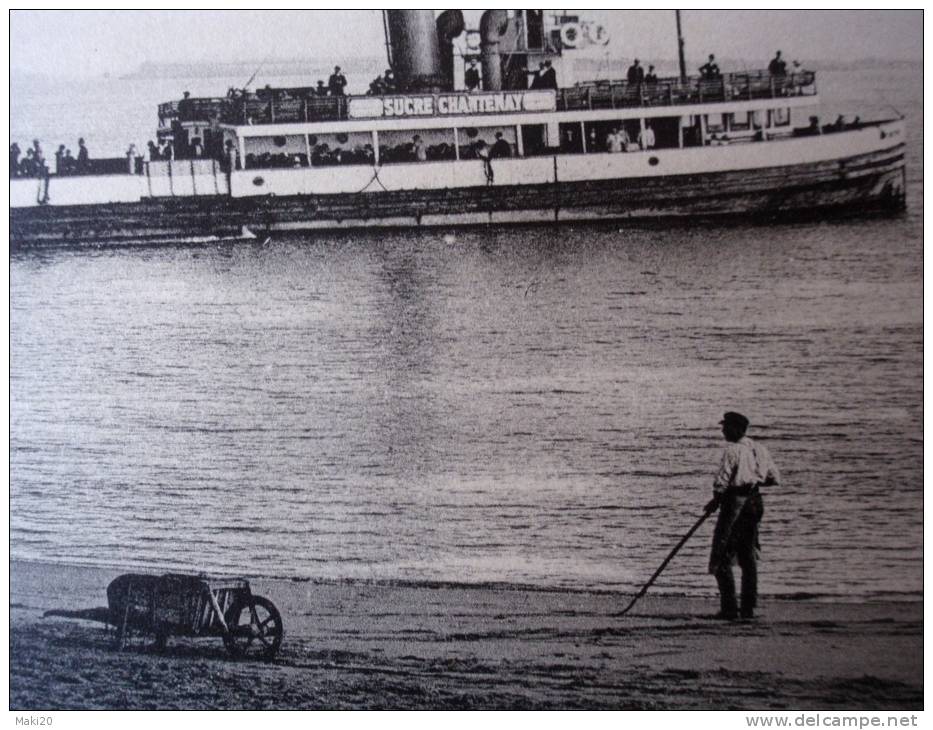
pixel 194 606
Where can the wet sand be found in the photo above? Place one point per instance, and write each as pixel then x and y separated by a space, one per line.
pixel 358 645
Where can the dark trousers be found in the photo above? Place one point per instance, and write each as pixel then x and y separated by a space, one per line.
pixel 736 537
pixel 745 554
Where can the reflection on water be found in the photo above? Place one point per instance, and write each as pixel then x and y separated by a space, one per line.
pixel 506 404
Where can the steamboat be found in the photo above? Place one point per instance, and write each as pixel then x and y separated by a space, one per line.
pixel 481 126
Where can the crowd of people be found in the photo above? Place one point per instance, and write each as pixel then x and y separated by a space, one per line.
pixel 338 152
pixel 34 163
pixel 382 85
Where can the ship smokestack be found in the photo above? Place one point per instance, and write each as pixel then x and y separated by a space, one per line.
pixel 450 24
pixel 415 49
pixel 492 27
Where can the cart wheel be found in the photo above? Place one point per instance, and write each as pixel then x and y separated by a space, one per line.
pixel 253 633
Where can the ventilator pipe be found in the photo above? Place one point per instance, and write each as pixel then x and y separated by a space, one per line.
pixel 415 52
pixel 450 24
pixel 492 27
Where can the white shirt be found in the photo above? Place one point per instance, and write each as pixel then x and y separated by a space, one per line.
pixel 647 138
pixel 744 464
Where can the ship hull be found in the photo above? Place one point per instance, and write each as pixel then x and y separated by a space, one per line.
pixel 867 182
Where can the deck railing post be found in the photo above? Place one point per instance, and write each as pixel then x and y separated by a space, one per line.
pixel 670 94
pixel 304 104
pixel 771 84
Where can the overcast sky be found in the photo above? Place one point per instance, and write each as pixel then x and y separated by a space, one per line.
pixel 85 43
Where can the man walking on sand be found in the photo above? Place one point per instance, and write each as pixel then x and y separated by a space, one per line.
pixel 745 467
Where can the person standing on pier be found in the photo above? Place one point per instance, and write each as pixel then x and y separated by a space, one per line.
pixel 745 467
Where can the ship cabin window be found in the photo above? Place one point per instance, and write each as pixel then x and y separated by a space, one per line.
pixel 692 130
pixel 278 151
pixel 715 123
pixel 416 145
pixel 666 132
pixel 613 135
pixel 534 140
pixel 739 122
pixel 341 148
pixel 500 141
pixel 571 138
pixel 779 118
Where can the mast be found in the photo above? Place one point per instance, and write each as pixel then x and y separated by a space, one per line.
pixel 385 28
pixel 680 49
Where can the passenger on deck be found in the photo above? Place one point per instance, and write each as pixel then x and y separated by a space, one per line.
pixel 69 163
pixel 636 74
pixel 500 148
pixel 471 77
pixel 83 157
pixel 14 160
pixel 337 82
pixel 42 169
pixel 168 151
pixel 646 137
pixel 796 79
pixel 482 153
pixel 185 107
pixel 388 81
pixel 59 159
pixel 777 67
pixel 376 87
pixel 131 159
pixel 230 153
pixel 197 149
pixel 710 69
pixel 548 78
pixel 27 166
pixel 651 77
pixel 614 141
pixel 536 81
pixel 419 149
pixel 320 89
pixel 153 151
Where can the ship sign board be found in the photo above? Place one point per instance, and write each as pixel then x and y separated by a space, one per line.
pixel 433 105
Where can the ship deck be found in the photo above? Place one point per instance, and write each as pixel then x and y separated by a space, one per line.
pixel 301 104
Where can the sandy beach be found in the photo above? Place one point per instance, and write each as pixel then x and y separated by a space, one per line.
pixel 357 645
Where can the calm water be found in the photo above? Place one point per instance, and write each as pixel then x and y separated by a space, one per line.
pixel 525 404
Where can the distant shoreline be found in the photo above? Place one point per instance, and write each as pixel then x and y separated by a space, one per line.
pixel 298 67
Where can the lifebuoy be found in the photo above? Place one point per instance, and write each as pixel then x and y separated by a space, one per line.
pixel 570 35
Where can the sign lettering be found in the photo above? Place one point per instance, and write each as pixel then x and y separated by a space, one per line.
pixel 503 102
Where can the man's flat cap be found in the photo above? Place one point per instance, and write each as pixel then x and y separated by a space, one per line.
pixel 731 418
